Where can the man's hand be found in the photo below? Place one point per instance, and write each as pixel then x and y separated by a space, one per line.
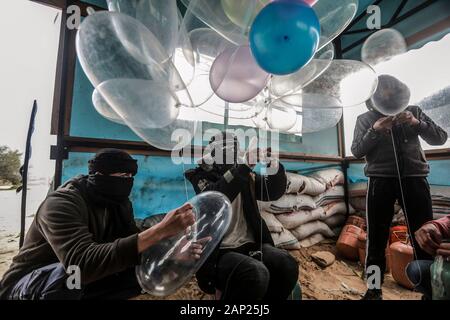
pixel 383 124
pixel 258 155
pixel 176 221
pixel 173 223
pixel 189 250
pixel 444 250
pixel 429 238
pixel 406 117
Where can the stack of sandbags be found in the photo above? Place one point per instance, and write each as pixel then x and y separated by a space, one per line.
pixel 357 197
pixel 312 210
pixel 440 195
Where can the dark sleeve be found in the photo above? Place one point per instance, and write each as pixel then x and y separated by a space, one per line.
pixel 131 223
pixel 271 187
pixel 61 222
pixel 365 138
pixel 429 131
pixel 229 184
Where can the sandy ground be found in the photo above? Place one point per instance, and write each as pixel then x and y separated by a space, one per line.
pixel 340 281
pixel 9 245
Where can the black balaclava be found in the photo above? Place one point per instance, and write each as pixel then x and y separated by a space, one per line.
pixel 104 187
pixel 223 149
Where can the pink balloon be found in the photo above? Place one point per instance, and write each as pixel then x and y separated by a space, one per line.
pixel 308 2
pixel 236 77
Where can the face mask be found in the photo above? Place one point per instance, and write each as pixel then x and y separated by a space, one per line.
pixel 113 188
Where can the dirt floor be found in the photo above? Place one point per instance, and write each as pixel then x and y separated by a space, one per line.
pixel 340 281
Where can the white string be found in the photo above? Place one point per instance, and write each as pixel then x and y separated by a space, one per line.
pixel 404 208
pixel 185 182
pixel 260 221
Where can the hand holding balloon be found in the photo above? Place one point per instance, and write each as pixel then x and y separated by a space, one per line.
pixel 190 250
pixel 173 223
pixel 383 124
pixel 429 238
pixel 170 262
pixel 406 117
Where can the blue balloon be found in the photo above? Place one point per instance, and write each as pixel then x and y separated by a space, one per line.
pixel 284 36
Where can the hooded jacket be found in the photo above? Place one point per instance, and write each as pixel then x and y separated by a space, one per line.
pixel 73 229
pixel 378 151
pixel 238 180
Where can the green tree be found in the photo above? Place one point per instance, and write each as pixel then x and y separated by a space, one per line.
pixel 9 166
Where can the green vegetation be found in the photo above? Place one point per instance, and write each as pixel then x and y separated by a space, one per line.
pixel 9 166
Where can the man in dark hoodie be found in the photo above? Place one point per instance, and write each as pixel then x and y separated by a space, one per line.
pixel 374 139
pixel 245 265
pixel 87 225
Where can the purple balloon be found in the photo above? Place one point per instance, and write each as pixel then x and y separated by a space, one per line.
pixel 236 77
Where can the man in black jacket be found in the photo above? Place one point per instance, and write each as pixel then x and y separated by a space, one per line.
pixel 245 265
pixel 374 139
pixel 87 224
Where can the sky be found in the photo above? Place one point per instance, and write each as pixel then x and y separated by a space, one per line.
pixel 30 34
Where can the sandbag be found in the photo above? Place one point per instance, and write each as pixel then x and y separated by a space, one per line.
pixel 329 177
pixel 304 185
pixel 313 187
pixel 358 189
pixel 359 203
pixel 312 240
pixel 289 203
pixel 307 229
pixel 338 208
pixel 285 240
pixel 272 222
pixel 335 221
pixel 334 194
pixel 295 182
pixel 297 218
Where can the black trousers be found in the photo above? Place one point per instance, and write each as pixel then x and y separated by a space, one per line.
pixel 49 283
pixel 271 276
pixel 381 196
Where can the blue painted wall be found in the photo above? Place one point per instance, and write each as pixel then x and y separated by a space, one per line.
pixel 100 3
pixel 159 185
pixel 439 172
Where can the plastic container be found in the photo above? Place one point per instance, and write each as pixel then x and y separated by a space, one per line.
pixel 347 244
pixel 398 233
pixel 362 239
pixel 440 277
pixel 356 221
pixel 401 254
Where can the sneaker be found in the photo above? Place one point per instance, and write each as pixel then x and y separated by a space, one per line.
pixel 373 294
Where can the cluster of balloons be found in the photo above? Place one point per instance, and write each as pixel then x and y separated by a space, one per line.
pixel 271 61
pixel 169 264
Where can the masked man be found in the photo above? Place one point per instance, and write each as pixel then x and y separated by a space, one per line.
pixel 373 140
pixel 245 265
pixel 85 233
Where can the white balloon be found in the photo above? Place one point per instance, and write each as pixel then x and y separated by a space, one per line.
pixel 159 16
pixel 349 82
pixel 104 109
pixel 141 103
pixel 168 265
pixel 334 17
pixel 382 46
